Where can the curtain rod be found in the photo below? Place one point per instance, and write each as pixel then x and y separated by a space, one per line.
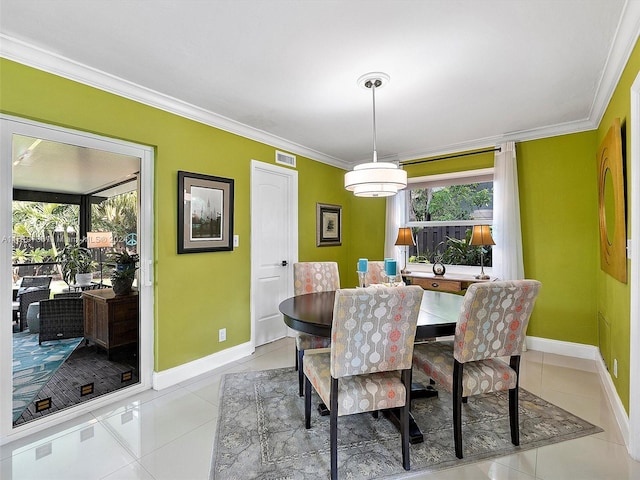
pixel 415 162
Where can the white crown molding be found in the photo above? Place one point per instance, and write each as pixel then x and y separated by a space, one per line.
pixel 21 52
pixel 490 142
pixel 624 41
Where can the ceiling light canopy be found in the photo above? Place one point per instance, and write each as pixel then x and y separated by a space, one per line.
pixel 375 179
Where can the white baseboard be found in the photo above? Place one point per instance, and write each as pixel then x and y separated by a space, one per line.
pixel 577 350
pixel 590 352
pixel 186 371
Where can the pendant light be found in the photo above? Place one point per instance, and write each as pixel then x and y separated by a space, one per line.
pixel 375 179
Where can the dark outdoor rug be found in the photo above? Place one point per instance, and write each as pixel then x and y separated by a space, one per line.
pixel 87 364
pixel 261 434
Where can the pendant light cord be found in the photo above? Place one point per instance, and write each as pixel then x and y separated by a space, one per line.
pixel 372 84
pixel 373 92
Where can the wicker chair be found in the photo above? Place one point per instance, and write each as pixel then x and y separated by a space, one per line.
pixel 25 299
pixel 61 318
pixel 369 365
pixel 68 295
pixel 312 277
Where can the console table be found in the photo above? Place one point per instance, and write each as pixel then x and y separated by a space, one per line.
pixel 110 320
pixel 454 282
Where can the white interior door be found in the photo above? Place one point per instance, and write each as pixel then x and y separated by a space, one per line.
pixel 274 246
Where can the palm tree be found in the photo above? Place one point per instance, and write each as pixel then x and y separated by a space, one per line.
pixel 116 214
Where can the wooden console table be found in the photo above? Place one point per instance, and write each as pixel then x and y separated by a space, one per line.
pixel 110 320
pixel 455 282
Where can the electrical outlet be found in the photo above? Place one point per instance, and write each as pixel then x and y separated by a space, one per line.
pixel 615 367
pixel 222 335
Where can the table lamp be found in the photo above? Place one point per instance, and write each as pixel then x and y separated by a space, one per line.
pixel 405 239
pixel 480 237
pixel 100 240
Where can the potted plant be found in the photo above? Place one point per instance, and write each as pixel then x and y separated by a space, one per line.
pixel 76 264
pixel 124 272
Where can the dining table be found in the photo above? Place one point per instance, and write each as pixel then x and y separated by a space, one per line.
pixel 312 313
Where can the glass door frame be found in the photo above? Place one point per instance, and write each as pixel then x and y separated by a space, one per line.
pixel 10 125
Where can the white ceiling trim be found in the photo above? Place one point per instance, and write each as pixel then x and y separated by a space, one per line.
pixel 21 52
pixel 625 39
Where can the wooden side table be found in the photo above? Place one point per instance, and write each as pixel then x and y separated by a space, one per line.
pixel 110 320
pixel 445 283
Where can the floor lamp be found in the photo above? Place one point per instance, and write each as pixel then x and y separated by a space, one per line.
pixel 100 240
pixel 480 237
pixel 405 239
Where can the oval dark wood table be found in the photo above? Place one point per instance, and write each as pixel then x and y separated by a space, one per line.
pixel 312 313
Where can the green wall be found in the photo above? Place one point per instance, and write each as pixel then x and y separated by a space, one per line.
pixel 559 214
pixel 558 202
pixel 556 198
pixel 192 301
pixel 613 296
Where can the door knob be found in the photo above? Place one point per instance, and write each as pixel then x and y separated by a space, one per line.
pixel 284 263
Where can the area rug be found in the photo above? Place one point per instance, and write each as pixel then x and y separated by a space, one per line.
pixel 261 434
pixel 34 365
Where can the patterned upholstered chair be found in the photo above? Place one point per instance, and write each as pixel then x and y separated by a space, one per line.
pixel 311 277
pixel 492 323
pixel 375 273
pixel 369 365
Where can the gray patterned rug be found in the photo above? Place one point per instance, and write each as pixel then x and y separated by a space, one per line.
pixel 261 434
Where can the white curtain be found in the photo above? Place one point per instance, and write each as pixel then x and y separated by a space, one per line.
pixel 507 252
pixel 396 218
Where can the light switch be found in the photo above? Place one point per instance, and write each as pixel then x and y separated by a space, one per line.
pixel 236 240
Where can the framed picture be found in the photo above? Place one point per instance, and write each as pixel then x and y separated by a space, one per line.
pixel 328 225
pixel 205 213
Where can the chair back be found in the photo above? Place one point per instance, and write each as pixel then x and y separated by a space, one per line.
pixel 493 319
pixel 374 329
pixel 39 281
pixel 375 273
pixel 311 277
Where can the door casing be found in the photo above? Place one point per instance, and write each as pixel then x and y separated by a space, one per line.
pixel 10 125
pixel 292 241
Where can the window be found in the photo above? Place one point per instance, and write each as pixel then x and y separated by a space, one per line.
pixel 442 210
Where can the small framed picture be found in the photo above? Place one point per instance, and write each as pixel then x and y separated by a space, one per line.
pixel 205 213
pixel 328 225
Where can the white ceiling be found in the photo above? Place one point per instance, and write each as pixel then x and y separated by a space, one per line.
pixel 464 74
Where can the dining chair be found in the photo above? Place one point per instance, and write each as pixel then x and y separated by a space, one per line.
pixel 375 273
pixel 368 367
pixel 492 323
pixel 311 277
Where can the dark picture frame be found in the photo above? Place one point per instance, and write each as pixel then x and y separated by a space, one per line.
pixel 205 213
pixel 328 225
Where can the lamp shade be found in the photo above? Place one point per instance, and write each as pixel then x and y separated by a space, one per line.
pixel 481 235
pixel 99 239
pixel 375 179
pixel 405 238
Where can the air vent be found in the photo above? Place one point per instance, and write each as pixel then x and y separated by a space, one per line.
pixel 285 159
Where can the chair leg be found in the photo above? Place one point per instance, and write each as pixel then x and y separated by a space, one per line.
pixel 296 359
pixel 300 363
pixel 513 402
pixel 307 403
pixel 456 394
pixel 404 419
pixel 513 416
pixel 333 428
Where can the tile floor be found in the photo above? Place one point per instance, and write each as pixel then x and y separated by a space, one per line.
pixel 168 435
